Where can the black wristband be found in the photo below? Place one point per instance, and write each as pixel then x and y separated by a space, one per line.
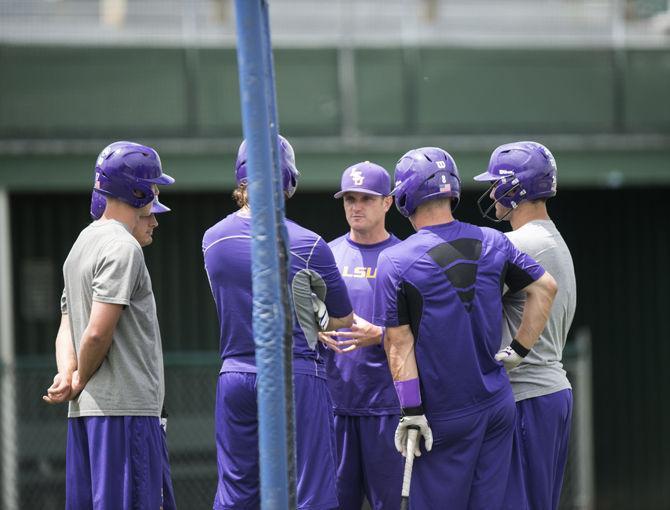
pixel 519 349
pixel 413 411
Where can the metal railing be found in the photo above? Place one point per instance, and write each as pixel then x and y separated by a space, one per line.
pixel 340 22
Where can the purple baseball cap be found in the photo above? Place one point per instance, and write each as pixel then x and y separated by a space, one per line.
pixel 365 177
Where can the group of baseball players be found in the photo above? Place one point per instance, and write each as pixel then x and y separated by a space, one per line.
pixel 456 331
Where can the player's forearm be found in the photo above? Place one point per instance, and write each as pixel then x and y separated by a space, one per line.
pixel 66 357
pixel 94 347
pixel 340 322
pixel 539 299
pixel 399 347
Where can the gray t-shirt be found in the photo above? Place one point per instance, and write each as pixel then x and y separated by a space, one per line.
pixel 106 264
pixel 541 372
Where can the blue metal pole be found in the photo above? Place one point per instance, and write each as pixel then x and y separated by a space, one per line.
pixel 283 259
pixel 268 321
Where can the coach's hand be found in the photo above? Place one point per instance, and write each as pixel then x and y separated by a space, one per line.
pixel 512 355
pixel 361 334
pixel 320 312
pixel 419 422
pixel 330 342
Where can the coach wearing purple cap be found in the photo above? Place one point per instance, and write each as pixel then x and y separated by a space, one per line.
pixel 365 403
pixel 108 346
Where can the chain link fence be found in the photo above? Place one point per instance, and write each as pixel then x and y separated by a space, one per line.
pixel 579 480
pixel 33 464
pixel 37 465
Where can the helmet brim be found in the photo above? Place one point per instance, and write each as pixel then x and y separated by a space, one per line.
pixel 158 208
pixel 486 177
pixel 163 179
pixel 394 191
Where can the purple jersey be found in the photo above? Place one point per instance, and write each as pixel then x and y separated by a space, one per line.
pixel 360 381
pixel 446 282
pixel 227 252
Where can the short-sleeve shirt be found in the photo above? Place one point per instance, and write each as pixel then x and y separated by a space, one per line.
pixel 445 282
pixel 106 264
pixel 227 255
pixel 360 381
pixel 541 372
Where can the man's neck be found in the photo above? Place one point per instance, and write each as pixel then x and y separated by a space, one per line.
pixel 372 236
pixel 527 212
pixel 429 216
pixel 117 210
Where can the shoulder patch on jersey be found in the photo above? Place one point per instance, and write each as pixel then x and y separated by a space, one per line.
pixel 460 258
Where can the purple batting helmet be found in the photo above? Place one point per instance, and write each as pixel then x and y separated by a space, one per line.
pixel 425 174
pixel 289 172
pixel 518 171
pixel 99 202
pixel 127 171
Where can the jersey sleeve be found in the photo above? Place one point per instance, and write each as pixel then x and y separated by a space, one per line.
pixel 323 263
pixel 521 269
pixel 117 273
pixel 386 312
pixel 206 241
pixel 205 245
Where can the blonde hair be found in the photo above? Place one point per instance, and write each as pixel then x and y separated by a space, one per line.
pixel 241 196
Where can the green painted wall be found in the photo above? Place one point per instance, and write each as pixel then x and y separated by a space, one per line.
pixel 65 92
pixel 646 91
pixel 79 92
pixel 548 91
pixel 92 96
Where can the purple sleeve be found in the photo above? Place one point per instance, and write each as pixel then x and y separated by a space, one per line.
pixel 337 298
pixel 521 270
pixel 386 295
pixel 206 240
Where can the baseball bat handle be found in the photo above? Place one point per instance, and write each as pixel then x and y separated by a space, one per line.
pixel 412 434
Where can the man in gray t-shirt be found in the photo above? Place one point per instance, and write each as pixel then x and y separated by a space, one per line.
pixel 523 177
pixel 108 347
pixel 143 233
